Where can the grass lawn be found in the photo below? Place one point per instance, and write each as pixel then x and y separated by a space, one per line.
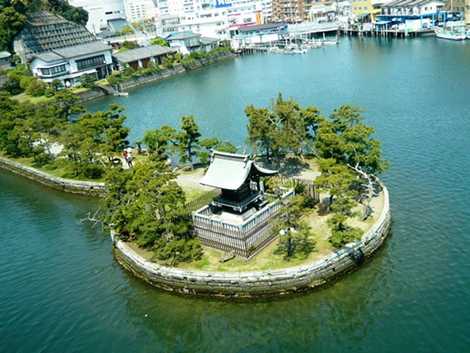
pixel 23 98
pixel 57 170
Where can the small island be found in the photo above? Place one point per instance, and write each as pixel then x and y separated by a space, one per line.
pixel 196 215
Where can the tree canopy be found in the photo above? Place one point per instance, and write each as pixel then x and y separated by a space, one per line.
pixel 295 235
pixel 283 128
pixel 146 204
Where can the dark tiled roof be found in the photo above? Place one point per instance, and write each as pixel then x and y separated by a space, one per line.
pixel 82 49
pixel 73 51
pixel 45 31
pixel 142 53
pixel 48 56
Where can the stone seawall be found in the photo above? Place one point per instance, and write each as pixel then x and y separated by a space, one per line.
pixel 67 185
pixel 164 74
pixel 258 283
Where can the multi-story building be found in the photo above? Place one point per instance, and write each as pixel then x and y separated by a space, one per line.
pixel 212 18
pixel 59 49
pixel 290 11
pixel 413 7
pixel 366 8
pixel 100 12
pixel 138 10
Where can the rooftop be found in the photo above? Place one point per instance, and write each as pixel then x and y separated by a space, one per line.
pixel 410 3
pixel 182 35
pixel 142 53
pixel 262 27
pixel 208 40
pixel 229 171
pixel 45 31
pixel 73 51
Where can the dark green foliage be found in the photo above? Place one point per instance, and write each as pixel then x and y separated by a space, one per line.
pixel 129 45
pixel 92 142
pixel 146 204
pixel 341 233
pixel 18 79
pixel 340 182
pixel 188 139
pixel 88 81
pixel 159 142
pixel 36 88
pixel 178 250
pixel 345 138
pixel 295 236
pixel 41 157
pixel 284 128
pixel 11 22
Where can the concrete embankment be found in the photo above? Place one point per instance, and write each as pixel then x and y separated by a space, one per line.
pixel 67 185
pixel 258 283
pixel 167 73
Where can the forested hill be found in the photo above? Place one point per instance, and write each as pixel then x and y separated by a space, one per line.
pixel 14 13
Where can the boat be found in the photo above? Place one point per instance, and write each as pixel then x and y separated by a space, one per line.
pixel 468 34
pixel 121 94
pixel 450 33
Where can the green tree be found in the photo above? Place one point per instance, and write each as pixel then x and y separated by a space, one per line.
pixel 146 205
pixel 159 41
pixel 88 81
pixel 188 139
pixel 208 145
pixel 340 181
pixel 336 179
pixel 295 235
pixel 94 140
pixel 160 141
pixel 11 22
pixel 285 128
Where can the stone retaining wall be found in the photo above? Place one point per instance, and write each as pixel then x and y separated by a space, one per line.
pixel 258 283
pixel 91 94
pixel 164 74
pixel 67 185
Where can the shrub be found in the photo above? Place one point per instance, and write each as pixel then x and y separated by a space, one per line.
pixel 91 171
pixel 41 157
pixel 36 88
pixel 88 81
pixel 178 250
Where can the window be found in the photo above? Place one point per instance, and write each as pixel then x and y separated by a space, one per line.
pixel 52 71
pixel 90 62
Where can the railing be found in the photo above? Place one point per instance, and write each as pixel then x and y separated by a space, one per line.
pixel 203 219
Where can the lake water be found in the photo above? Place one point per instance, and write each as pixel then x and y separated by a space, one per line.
pixel 61 290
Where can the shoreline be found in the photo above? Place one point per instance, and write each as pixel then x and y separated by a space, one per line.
pixel 81 187
pixel 243 285
pixel 258 284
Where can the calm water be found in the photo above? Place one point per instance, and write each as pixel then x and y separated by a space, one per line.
pixel 61 290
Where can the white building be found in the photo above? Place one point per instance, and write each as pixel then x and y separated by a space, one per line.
pixel 413 7
pixel 212 18
pixel 100 12
pixel 70 63
pixel 138 10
